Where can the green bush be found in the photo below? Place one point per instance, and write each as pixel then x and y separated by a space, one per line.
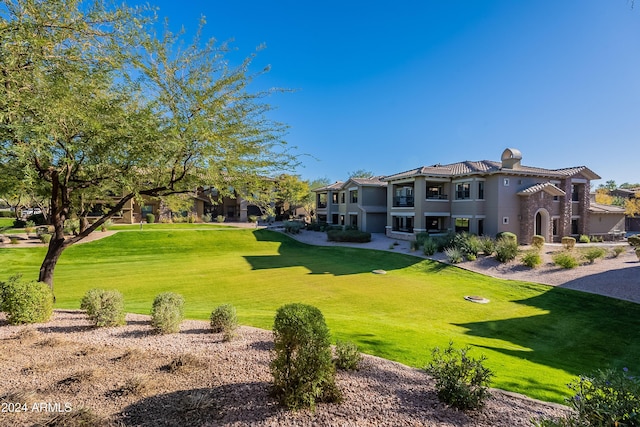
pixel 592 254
pixel 638 253
pixel 348 356
pixel 292 227
pixel 18 223
pixel 454 255
pixel 25 302
pixel 353 236
pixel 224 319
pixel 468 244
pixel 568 242
pixel 303 372
pixel 429 247
pixel 565 259
pixel 584 239
pixel 445 241
pixel 150 218
pixel 317 226
pixel 609 398
pixel 421 238
pixel 461 381
pixel 532 258
pixel 253 218
pixel 537 241
pixel 634 240
pixel 6 214
pixel 506 249
pixel 104 308
pixel 617 250
pixel 45 237
pixel 507 235
pixel 220 218
pixel 167 313
pixel 488 245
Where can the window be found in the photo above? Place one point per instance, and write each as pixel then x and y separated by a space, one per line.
pixel 334 219
pixel 554 225
pixel 334 198
pixel 433 223
pixel 353 220
pixel 342 197
pixel 481 190
pixel 463 191
pixel 462 225
pixel 403 196
pixel 480 227
pixel 341 219
pixel 403 223
pixel 353 196
pixel 575 195
pixel 574 226
pixel 322 200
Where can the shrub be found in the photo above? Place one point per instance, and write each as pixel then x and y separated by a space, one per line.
pixel 461 381
pixel 104 308
pixel 206 217
pixel 292 227
pixel 532 258
pixel 150 218
pixel 445 241
pixel 224 319
pixel 638 253
pixel 429 247
pixel 488 245
pixel 6 214
pixel 414 245
pixel 18 223
pixel 354 236
pixel 592 254
pixel 607 398
pixel 634 240
pixel 537 241
pixel 617 250
pixel 167 312
pixel 454 255
pixel 506 249
pixel 25 302
pixel 303 372
pixel 568 242
pixel 565 259
pixel 105 225
pixel 45 237
pixel 348 356
pixel 421 238
pixel 220 218
pixel 584 239
pixel 507 235
pixel 468 244
pixel 253 218
pixel 317 226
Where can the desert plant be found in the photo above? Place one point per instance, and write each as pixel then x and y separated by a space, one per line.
pixel 565 259
pixel 150 218
pixel 14 240
pixel 355 236
pixel 454 255
pixel 167 312
pixel 206 217
pixel 532 258
pixel 421 238
pixel 415 245
pixel 634 240
pixel 506 249
pixel 568 242
pixel 584 239
pixel 220 218
pixel 617 250
pixel 507 235
pixel 461 381
pixel 638 253
pixel 303 372
pixel 488 245
pixel 609 398
pixel 45 237
pixel 348 356
pixel 29 227
pixel 592 254
pixel 537 241
pixel 224 319
pixel 104 308
pixel 429 247
pixel 105 225
pixel 292 227
pixel 253 218
pixel 25 302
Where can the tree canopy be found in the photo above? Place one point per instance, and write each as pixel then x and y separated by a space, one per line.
pixel 96 103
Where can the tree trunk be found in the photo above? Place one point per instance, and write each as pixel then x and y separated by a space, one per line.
pixel 56 246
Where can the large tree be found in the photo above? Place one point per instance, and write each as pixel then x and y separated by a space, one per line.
pixel 95 103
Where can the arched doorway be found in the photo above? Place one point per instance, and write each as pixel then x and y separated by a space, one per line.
pixel 541 224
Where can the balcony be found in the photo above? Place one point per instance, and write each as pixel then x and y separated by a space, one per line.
pixel 437 197
pixel 403 202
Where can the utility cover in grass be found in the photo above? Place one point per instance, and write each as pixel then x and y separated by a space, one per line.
pixel 475 298
pixel 379 272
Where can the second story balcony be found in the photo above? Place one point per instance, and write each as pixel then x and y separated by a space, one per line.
pixel 403 202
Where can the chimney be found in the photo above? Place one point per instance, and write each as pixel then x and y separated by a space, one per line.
pixel 511 158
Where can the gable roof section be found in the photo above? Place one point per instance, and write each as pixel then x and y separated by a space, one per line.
pixel 489 167
pixel 605 209
pixel 335 186
pixel 547 187
pixel 374 181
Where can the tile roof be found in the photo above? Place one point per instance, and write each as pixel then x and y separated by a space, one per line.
pixel 374 180
pixel 605 209
pixel 545 186
pixel 335 186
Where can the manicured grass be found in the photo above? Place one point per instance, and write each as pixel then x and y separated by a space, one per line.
pixel 536 338
pixel 6 222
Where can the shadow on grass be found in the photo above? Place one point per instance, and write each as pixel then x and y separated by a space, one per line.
pixel 579 332
pixel 335 260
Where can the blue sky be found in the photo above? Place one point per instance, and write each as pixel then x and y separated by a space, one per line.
pixel 389 86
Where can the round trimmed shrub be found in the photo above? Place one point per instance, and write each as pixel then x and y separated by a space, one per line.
pixel 26 302
pixel 584 239
pixel 303 370
pixel 507 235
pixel 167 313
pixel 348 356
pixel 150 218
pixel 592 254
pixel 537 241
pixel 104 308
pixel 224 319
pixel 634 240
pixel 568 242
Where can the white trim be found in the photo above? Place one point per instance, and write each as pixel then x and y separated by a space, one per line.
pixel 419 230
pixel 459 180
pixel 353 188
pixel 579 181
pixel 462 216
pixel 402 181
pixel 480 216
pixel 437 213
pixel 352 213
pixel 406 214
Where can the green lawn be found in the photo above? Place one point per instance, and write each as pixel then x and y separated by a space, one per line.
pixel 537 338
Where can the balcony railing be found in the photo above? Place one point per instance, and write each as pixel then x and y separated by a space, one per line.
pixel 437 197
pixel 322 205
pixel 403 201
